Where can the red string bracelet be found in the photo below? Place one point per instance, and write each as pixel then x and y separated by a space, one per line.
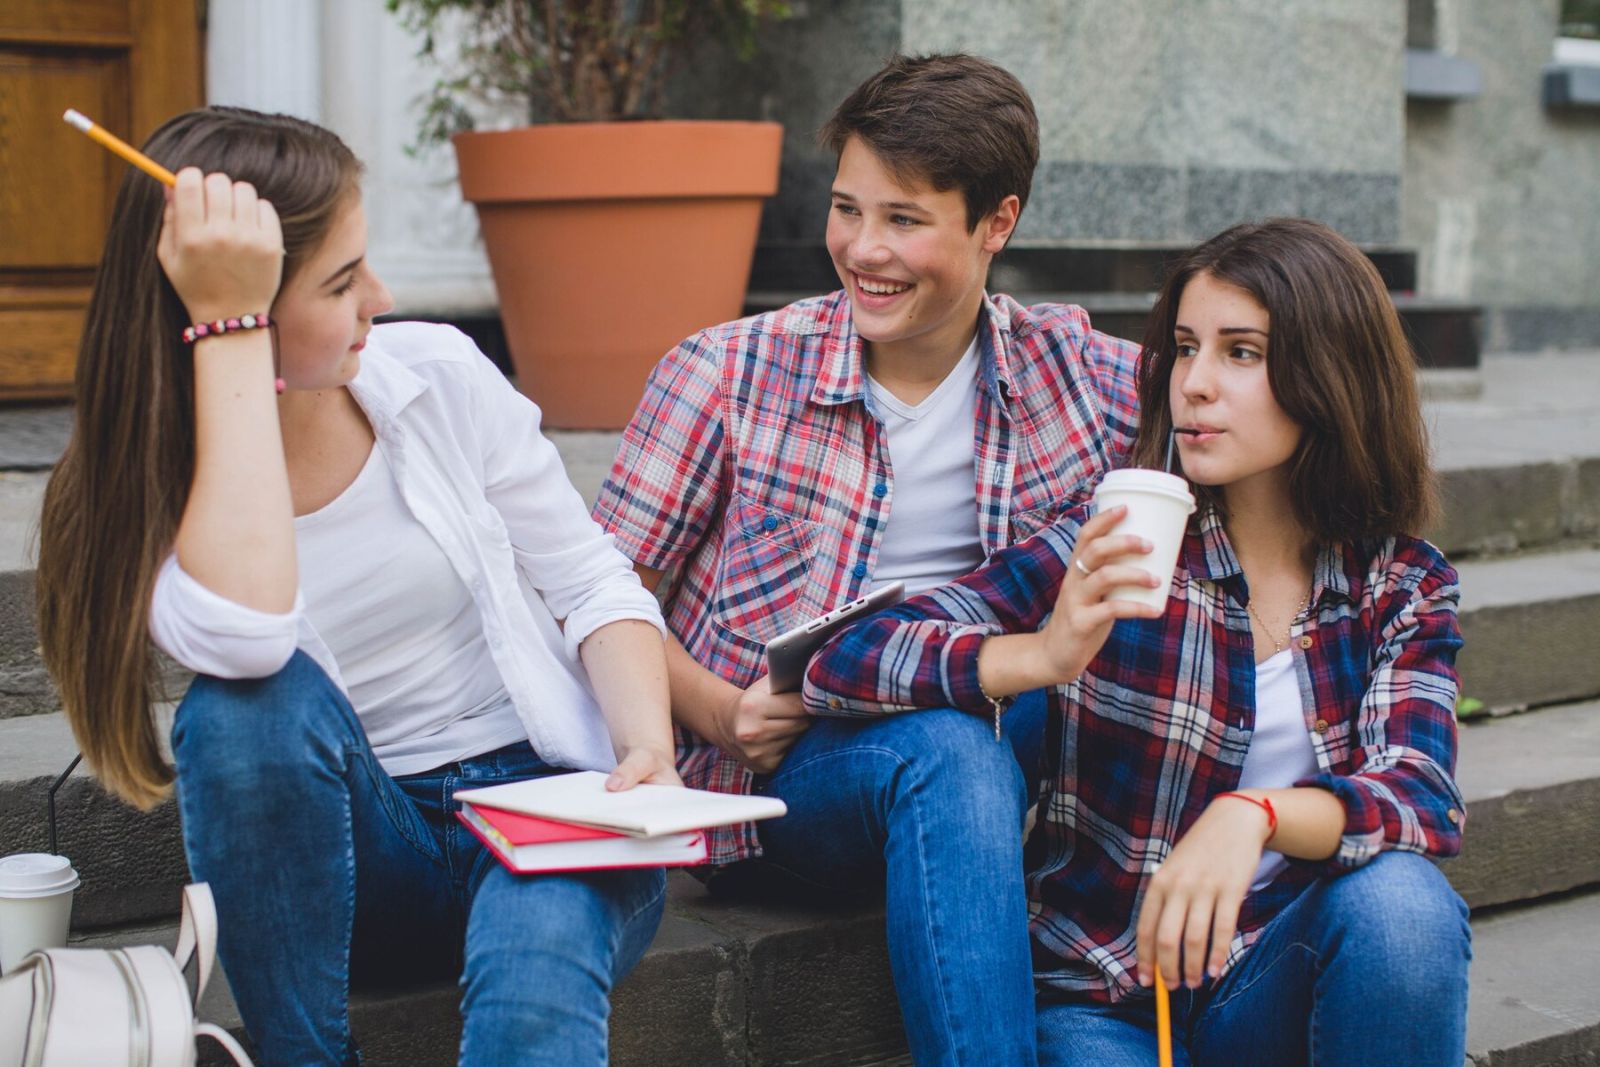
pixel 1260 802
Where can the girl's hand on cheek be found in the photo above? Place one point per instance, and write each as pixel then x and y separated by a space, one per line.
pixel 1191 906
pixel 221 246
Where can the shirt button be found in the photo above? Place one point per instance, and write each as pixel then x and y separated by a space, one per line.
pixel 836 703
pixel 1454 816
pixel 880 490
pixel 859 570
pixel 1322 726
pixel 1305 641
pixel 770 522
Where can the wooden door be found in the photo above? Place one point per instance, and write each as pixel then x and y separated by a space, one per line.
pixel 127 64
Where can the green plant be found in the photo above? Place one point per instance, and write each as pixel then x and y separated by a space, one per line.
pixel 566 60
pixel 1580 18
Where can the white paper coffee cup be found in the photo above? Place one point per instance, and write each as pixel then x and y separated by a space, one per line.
pixel 1159 506
pixel 35 904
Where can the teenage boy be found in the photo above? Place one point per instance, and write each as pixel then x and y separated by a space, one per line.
pixel 905 428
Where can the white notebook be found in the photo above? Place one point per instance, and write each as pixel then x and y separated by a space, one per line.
pixel 643 811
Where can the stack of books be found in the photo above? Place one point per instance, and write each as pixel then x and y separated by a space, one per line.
pixel 570 822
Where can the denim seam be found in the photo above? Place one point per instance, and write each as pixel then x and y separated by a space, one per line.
pixel 1264 972
pixel 940 980
pixel 386 799
pixel 351 1052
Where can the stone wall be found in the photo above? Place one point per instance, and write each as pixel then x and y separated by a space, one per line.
pixel 1162 121
pixel 1500 193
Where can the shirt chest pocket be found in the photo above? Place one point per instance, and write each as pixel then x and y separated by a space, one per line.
pixel 766 558
pixel 1024 524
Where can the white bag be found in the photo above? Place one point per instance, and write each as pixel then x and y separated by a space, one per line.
pixel 121 1007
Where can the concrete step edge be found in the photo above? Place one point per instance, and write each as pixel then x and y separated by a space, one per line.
pixel 708 991
pixel 1531 1000
pixel 1528 621
pixel 1529 626
pixel 1531 783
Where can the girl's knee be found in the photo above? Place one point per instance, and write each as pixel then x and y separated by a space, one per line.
pixel 1400 906
pixel 233 723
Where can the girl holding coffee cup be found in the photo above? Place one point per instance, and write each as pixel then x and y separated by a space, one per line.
pixel 1247 778
pixel 359 540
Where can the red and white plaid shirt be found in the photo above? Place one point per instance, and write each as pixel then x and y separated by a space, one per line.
pixel 756 468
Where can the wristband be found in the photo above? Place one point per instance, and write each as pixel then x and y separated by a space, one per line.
pixel 1260 802
pixel 260 321
pixel 191 334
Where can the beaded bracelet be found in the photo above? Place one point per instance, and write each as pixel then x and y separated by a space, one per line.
pixel 191 334
pixel 1260 802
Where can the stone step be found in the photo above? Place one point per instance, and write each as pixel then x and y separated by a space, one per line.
pixel 721 984
pixel 1083 268
pixel 1446 334
pixel 1532 785
pixel 1534 976
pixel 726 985
pixel 1532 627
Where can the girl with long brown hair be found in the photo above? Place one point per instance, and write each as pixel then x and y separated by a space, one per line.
pixel 1244 785
pixel 385 585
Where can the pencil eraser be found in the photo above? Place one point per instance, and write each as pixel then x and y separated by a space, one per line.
pixel 78 119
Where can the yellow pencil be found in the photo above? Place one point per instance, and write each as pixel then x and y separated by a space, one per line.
pixel 1163 1022
pixel 122 148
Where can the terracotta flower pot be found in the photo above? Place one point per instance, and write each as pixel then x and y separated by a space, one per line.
pixel 610 243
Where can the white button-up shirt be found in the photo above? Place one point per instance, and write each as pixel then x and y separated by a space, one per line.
pixel 475 471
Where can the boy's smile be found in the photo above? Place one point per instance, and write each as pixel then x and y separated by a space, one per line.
pixel 914 270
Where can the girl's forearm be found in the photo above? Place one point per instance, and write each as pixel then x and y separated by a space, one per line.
pixel 627 666
pixel 1310 820
pixel 236 536
pixel 1015 663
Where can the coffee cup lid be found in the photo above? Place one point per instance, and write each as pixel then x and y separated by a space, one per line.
pixel 1139 479
pixel 36 874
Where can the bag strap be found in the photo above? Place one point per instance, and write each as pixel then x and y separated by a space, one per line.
pixel 197 938
pixel 225 1039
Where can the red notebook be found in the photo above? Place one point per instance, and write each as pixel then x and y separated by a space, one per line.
pixel 529 845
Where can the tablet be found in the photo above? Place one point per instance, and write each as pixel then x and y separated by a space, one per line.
pixel 788 654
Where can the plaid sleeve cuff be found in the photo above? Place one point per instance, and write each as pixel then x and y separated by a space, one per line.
pixel 961 672
pixel 638 545
pixel 1377 819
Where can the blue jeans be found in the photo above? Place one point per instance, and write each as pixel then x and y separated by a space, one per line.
pixel 326 869
pixel 927 807
pixel 1366 968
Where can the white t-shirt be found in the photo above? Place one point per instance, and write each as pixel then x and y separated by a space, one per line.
pixel 403 628
pixel 931 535
pixel 1280 747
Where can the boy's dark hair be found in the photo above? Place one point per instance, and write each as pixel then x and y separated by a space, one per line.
pixel 953 121
pixel 1339 365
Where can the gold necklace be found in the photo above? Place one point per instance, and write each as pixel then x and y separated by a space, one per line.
pixel 1277 646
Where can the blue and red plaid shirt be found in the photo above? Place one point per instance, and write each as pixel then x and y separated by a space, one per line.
pixel 756 467
pixel 1160 722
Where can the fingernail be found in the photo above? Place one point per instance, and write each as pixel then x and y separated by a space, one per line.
pixel 614 782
